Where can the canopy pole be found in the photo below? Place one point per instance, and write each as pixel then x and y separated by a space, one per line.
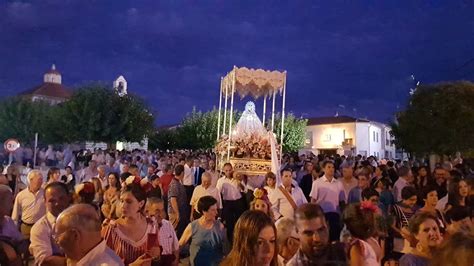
pixel 35 150
pixel 231 113
pixel 219 113
pixel 225 106
pixel 273 109
pixel 264 109
pixel 282 120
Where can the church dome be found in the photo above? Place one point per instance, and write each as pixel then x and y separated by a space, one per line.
pixel 52 76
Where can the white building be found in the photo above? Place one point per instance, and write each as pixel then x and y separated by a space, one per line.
pixel 51 90
pixel 346 135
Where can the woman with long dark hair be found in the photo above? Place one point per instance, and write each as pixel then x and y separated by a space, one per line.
pixel 422 177
pixel 254 241
pixel 458 194
pixel 111 196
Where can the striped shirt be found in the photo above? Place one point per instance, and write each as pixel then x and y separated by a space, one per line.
pixel 401 216
pixel 127 249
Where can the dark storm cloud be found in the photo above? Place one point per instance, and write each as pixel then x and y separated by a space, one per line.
pixel 356 54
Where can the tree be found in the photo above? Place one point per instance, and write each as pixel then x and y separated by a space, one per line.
pixel 164 139
pixel 197 130
pixel 294 132
pixel 438 119
pixel 21 118
pixel 96 113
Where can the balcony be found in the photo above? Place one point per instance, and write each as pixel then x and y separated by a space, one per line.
pixel 348 143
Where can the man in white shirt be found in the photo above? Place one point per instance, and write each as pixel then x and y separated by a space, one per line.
pixel 43 247
pixel 50 156
pixel 232 201
pixel 405 179
pixel 188 179
pixel 287 197
pixel 77 232
pixel 202 190
pixel 168 240
pixel 29 204
pixel 328 192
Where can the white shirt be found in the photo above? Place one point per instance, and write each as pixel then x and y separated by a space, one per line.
pixel 188 178
pixel 168 239
pixel 441 205
pixel 100 255
pixel 29 207
pixel 50 155
pixel 269 190
pixel 328 194
pixel 215 177
pixel 200 192
pixel 228 189
pixel 42 243
pixel 281 206
pixel 397 188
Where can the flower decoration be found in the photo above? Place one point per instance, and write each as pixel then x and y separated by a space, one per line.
pixel 260 193
pixel 368 206
pixel 133 180
pixel 250 145
pixel 86 187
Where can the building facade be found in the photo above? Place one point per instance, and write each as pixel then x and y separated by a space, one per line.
pixel 346 135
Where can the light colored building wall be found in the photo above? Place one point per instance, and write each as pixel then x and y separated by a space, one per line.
pixel 328 136
pixel 375 140
pixel 367 139
pixel 362 140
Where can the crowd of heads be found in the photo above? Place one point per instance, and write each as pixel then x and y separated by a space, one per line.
pixel 258 238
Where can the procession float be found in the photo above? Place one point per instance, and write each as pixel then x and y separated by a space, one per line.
pixel 250 146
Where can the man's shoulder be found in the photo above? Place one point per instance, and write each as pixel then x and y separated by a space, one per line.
pixel 21 193
pixel 40 224
pixel 110 258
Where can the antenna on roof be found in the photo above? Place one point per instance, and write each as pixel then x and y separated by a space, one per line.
pixel 53 67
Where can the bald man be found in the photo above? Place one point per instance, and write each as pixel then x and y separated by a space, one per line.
pixel 77 232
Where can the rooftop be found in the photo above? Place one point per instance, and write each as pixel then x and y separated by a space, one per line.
pixel 334 120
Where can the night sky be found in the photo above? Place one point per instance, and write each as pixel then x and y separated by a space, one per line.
pixel 351 57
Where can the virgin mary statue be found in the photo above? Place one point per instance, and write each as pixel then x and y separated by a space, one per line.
pixel 249 123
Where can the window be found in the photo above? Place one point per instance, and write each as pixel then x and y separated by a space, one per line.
pixel 343 134
pixel 377 137
pixel 373 135
pixel 327 137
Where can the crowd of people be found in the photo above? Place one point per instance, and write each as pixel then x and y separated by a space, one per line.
pixel 179 208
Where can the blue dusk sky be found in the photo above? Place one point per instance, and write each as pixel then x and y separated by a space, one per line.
pixel 352 57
